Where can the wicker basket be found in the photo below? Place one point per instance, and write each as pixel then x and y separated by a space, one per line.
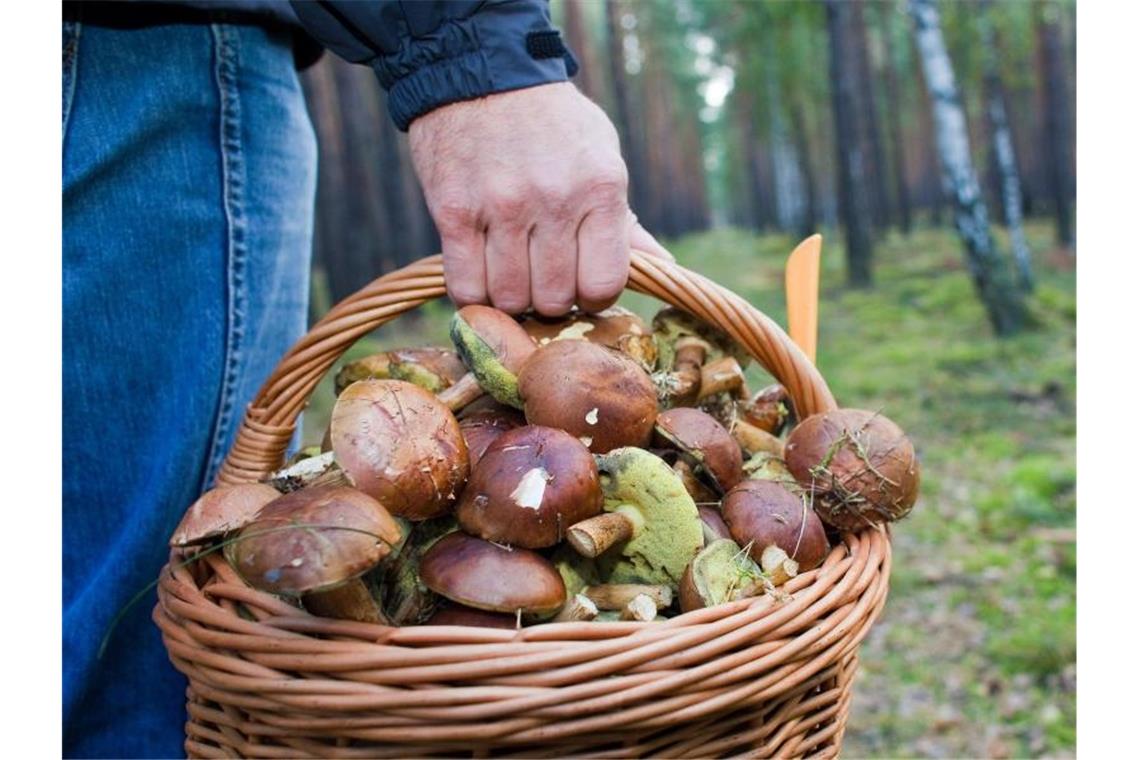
pixel 756 677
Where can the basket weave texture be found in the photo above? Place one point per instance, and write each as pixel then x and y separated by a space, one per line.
pixel 759 677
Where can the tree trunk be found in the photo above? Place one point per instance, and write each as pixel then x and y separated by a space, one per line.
pixel 1002 300
pixel 850 162
pixel 1003 155
pixel 578 39
pixel 631 146
pixel 809 220
pixel 894 122
pixel 869 116
pixel 1057 119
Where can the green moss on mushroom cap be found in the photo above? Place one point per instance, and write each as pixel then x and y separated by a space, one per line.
pixel 667 531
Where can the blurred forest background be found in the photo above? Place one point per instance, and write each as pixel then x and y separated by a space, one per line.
pixel 933 144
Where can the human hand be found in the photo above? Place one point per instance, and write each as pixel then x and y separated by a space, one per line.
pixel 528 191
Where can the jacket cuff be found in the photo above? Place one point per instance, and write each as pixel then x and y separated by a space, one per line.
pixel 504 46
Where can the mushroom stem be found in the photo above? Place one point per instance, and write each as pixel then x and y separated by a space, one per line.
pixel 641 608
pixel 616 596
pixel 463 392
pixel 777 565
pixel 578 607
pixel 721 376
pixel 681 385
pixel 752 439
pixel 595 535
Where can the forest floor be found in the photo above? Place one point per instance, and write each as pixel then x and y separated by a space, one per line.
pixel 975 653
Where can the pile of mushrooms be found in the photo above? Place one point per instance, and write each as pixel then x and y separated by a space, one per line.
pixel 555 470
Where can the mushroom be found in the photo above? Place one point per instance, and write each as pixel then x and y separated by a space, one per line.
pixel 433 369
pixel 482 427
pixel 641 608
pixel 615 596
pixel 397 443
pixel 313 540
pixel 721 572
pixel 486 576
pixel 753 439
pixel 494 348
pixel 650 521
pixel 859 466
pixel 616 328
pixel 220 511
pixel 684 345
pixel 597 395
pixel 356 599
pixel 373 367
pixel 407 601
pixel 457 614
pixel 723 376
pixel 704 442
pixel 764 513
pixel 701 493
pixel 767 410
pixel 713 526
pixel 531 484
pixel 577 571
pixel 764 465
pixel 578 607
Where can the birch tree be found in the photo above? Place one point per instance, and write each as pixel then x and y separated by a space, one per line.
pixel 1004 303
pixel 1004 159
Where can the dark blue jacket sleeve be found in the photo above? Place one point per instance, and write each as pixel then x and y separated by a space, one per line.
pixel 434 52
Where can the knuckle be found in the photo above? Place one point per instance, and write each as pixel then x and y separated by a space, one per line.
pixel 455 215
pixel 508 207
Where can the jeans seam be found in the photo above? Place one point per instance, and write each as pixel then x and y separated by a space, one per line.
pixel 226 65
pixel 71 34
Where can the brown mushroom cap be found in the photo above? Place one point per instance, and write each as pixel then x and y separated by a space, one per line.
pixel 313 539
pixel 531 484
pixel 221 510
pixel 457 614
pixel 713 524
pixel 494 347
pixel 860 466
pixel 705 440
pixel 597 395
pixel 400 445
pixel 616 327
pixel 768 410
pixel 486 576
pixel 763 513
pixel 483 427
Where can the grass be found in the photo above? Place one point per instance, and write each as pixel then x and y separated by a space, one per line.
pixel 975 653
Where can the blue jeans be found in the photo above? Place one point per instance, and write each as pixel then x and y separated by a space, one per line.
pixel 189 176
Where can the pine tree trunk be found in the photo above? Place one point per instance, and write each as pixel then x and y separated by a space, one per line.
pixel 1057 120
pixel 578 40
pixel 1003 155
pixel 1003 302
pixel 894 122
pixel 809 221
pixel 869 116
pixel 630 145
pixel 850 162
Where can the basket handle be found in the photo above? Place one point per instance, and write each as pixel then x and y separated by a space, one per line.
pixel 272 416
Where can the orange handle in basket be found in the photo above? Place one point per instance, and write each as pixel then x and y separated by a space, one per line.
pixel 801 285
pixel 271 418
